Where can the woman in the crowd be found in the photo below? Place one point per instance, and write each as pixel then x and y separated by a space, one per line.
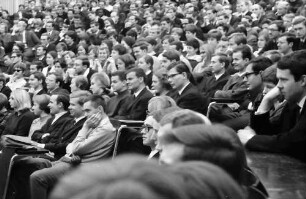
pixel 107 63
pixel 3 88
pixel 99 85
pixel 82 49
pixel 160 83
pixel 128 42
pixel 263 37
pixel 125 62
pixel 61 48
pixel 78 83
pixel 41 110
pixel 146 63
pixel 51 57
pixel 19 122
pixel 17 79
pixel 18 48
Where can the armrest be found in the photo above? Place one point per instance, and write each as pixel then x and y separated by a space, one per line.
pixel 226 100
pixel 132 123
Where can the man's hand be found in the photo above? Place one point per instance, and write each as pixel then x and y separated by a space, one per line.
pixel 94 120
pixel 267 102
pixel 234 106
pixel 45 135
pixel 246 134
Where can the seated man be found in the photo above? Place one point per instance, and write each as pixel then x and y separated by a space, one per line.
pixel 254 73
pixel 236 87
pixel 186 95
pixel 54 83
pixel 116 106
pixel 52 129
pixel 94 141
pixel 289 137
pixel 138 102
pixel 62 132
pixel 210 84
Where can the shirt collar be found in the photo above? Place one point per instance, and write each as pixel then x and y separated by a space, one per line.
pixel 78 119
pixel 138 92
pixel 218 76
pixel 86 72
pixel 181 91
pixel 302 102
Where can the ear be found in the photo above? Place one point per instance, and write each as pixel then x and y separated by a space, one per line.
pixel 303 80
pixel 291 44
pixel 101 109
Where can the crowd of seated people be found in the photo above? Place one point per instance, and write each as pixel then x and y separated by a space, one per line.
pixel 209 79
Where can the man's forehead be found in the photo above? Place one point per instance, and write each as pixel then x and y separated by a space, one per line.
pixel 286 73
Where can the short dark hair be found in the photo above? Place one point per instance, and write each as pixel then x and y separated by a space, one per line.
pixel 193 43
pixel 64 99
pixel 181 67
pixel 260 64
pixel 120 74
pixel 295 62
pixel 245 51
pixel 38 64
pixel 139 72
pixel 172 55
pixel 178 45
pixel 120 48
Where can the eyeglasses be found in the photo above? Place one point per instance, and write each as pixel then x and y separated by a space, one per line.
pixel 247 75
pixel 147 127
pixel 173 75
pixel 13 57
pixel 17 70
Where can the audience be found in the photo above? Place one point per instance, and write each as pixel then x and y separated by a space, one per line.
pixel 121 54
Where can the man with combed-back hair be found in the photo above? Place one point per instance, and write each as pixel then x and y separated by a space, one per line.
pixel 289 137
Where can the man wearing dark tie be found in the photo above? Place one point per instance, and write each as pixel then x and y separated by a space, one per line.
pixel 138 103
pixel 289 137
pixel 210 84
pixel 28 38
pixel 299 26
pixel 187 95
pixel 66 134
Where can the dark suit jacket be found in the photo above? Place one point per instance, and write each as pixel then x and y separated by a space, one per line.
pixel 136 108
pixel 301 45
pixel 149 79
pixel 209 85
pixel 31 39
pixel 59 91
pixel 51 47
pixel 234 21
pixel 270 45
pixel 54 129
pixel 289 137
pixel 54 37
pixel 117 105
pixel 235 88
pixel 190 99
pixel 67 135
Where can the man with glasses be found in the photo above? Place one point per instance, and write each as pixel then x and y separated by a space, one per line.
pixel 288 135
pixel 186 95
pixel 253 77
